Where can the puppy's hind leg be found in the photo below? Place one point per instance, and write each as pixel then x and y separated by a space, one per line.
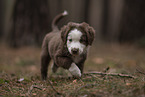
pixel 54 67
pixel 45 59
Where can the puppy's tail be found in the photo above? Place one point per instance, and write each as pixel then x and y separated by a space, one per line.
pixel 56 20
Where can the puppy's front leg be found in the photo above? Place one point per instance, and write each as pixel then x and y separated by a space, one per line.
pixel 62 61
pixel 74 70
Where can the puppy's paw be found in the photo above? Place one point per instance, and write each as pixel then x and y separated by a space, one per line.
pixel 74 70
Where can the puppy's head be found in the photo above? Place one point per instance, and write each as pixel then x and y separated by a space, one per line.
pixel 77 37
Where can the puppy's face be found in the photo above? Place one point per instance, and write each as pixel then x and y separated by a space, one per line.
pixel 77 37
pixel 76 42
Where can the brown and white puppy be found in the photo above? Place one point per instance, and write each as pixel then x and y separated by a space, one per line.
pixel 66 47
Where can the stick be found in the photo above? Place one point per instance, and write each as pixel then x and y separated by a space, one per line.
pixel 111 74
pixel 85 86
pixel 35 86
pixel 140 70
pixel 106 69
pixel 54 88
pixel 30 90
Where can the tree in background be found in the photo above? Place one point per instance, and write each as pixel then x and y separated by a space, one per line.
pixel 114 21
pixel 30 20
pixel 132 25
pixel 1 17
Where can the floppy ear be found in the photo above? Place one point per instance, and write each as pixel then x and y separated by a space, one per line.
pixel 89 31
pixel 64 33
pixel 65 30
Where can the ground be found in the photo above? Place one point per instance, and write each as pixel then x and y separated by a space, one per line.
pixel 20 73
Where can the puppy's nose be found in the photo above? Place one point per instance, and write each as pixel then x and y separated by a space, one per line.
pixel 75 50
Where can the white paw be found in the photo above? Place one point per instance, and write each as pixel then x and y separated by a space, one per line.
pixel 74 70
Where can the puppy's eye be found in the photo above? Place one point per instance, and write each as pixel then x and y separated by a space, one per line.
pixel 70 40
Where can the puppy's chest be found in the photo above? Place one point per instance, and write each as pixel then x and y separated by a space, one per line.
pixel 77 59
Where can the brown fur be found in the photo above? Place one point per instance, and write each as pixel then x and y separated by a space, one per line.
pixel 54 47
pixel 83 27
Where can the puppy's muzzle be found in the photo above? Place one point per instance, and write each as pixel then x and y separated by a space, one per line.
pixel 75 51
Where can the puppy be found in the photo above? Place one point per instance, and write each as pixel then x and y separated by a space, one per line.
pixel 67 47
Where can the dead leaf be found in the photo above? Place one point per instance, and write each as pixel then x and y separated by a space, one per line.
pixel 34 94
pixel 128 84
pixel 75 81
pixel 21 79
pixel 44 89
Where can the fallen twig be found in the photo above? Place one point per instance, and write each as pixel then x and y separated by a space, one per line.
pixel 54 88
pixel 85 86
pixel 140 70
pixel 31 88
pixel 35 86
pixel 107 69
pixel 111 74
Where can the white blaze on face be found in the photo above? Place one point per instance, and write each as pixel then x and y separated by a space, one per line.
pixel 73 41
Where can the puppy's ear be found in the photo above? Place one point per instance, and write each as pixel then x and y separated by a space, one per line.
pixel 65 30
pixel 64 33
pixel 89 31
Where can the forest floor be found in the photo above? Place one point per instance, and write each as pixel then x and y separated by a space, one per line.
pixel 20 73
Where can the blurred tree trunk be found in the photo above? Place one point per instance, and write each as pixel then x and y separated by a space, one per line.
pixel 86 10
pixel 77 10
pixel 30 22
pixel 95 17
pixel 132 26
pixel 113 17
pixel 105 18
pixel 1 17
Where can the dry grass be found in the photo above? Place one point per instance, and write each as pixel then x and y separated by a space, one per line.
pixel 93 85
pixel 24 63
